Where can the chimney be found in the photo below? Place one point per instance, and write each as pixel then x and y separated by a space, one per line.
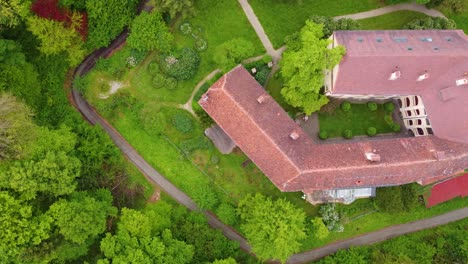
pixel 372 156
pixel 395 74
pixel 439 155
pixel 423 76
pixel 461 81
pixel 261 99
pixel 204 98
pixel 294 135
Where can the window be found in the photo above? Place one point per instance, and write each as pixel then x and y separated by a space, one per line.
pixel 420 131
pixel 410 122
pixel 448 39
pixel 408 113
pixel 426 39
pixel 436 48
pixel 408 103
pixel 416 100
pixel 379 40
pixel 427 122
pixel 360 39
pixel 410 48
pixel 419 122
pixel 430 131
pixel 417 112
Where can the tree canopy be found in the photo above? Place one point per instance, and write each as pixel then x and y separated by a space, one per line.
pixel 431 23
pixel 274 229
pixel 12 12
pixel 184 8
pixel 303 69
pixel 230 53
pixel 149 32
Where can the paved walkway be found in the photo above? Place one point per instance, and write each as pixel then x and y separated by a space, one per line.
pixel 94 118
pixel 392 8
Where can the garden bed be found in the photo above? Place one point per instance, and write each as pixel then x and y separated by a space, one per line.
pixel 358 119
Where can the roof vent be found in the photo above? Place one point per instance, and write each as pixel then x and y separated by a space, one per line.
pixel 261 99
pixel 204 98
pixel 294 135
pixel 423 76
pixel 372 156
pixel 461 81
pixel 395 74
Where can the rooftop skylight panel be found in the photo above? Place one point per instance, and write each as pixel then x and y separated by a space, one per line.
pixel 379 40
pixel 360 39
pixel 400 39
pixel 426 39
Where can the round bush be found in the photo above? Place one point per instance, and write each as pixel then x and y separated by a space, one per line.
pixel 388 119
pixel 182 65
pixel 262 75
pixel 201 44
pixel 389 107
pixel 182 122
pixel 372 106
pixel 371 131
pixel 214 159
pixel 396 128
pixel 158 81
pixel 185 28
pixel 348 134
pixel 170 83
pixel 323 135
pixel 153 67
pixel 345 106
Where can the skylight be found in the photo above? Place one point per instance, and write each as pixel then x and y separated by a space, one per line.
pixel 360 39
pixel 426 39
pixel 379 39
pixel 400 39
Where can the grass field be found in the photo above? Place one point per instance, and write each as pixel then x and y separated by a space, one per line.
pixel 358 119
pixel 282 18
pixel 394 20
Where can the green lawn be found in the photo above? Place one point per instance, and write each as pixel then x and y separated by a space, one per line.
pixel 282 18
pixel 358 119
pixel 394 20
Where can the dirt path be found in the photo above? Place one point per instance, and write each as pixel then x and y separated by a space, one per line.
pixel 188 105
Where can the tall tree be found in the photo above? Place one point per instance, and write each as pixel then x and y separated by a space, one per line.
pixel 138 240
pixel 274 229
pixel 16 128
pixel 13 11
pixel 184 8
pixel 230 53
pixel 55 39
pixel 149 32
pixel 303 69
pixel 106 19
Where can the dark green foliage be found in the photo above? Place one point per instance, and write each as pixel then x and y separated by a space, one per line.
pixel 200 142
pixel 456 6
pixel 73 4
pixel 149 32
pixel 389 199
pixel 345 106
pixel 353 255
pixel 347 134
pixel 372 106
pixel 182 122
pixel 323 135
pixel 205 120
pixel 393 2
pixel 330 24
pixel 396 127
pixel 106 19
pixel 389 107
pixel 371 131
pixel 431 23
pixel 175 8
pixel 262 74
pixel 182 65
pixel 409 196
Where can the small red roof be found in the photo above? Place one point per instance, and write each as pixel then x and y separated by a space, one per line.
pixel 448 190
pixel 263 130
pixel 371 56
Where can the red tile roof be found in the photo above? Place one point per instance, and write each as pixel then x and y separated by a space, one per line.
pixel 448 190
pixel 263 131
pixel 367 65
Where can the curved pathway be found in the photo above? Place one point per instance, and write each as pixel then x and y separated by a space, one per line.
pixel 94 118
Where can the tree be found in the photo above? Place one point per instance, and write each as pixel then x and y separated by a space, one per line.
pixel 149 32
pixel 431 23
pixel 303 70
pixel 16 128
pixel 225 261
pixel 230 53
pixel 83 216
pixel 184 8
pixel 51 168
pixel 330 24
pixel 274 229
pixel 106 19
pixel 330 217
pixel 55 39
pixel 319 229
pixel 389 199
pixel 13 11
pixel 21 227
pixel 138 241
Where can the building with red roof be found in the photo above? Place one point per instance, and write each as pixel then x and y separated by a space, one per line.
pixel 294 162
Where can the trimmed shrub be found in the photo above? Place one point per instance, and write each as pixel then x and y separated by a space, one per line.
pixel 204 118
pixel 170 83
pixel 262 75
pixel 396 127
pixel 389 199
pixel 182 65
pixel 227 213
pixel 348 134
pixel 158 81
pixel 323 135
pixel 371 131
pixel 214 159
pixel 409 196
pixel 205 196
pixel 389 107
pixel 182 122
pixel 388 119
pixel 345 106
pixel 372 106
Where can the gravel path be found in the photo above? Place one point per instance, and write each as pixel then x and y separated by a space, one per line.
pixel 392 8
